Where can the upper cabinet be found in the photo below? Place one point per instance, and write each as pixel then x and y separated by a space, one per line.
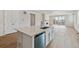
pixel 1 23
pixel 45 17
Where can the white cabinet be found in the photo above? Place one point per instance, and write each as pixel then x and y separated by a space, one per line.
pixel 1 23
pixel 11 21
pixel 47 36
pixel 45 17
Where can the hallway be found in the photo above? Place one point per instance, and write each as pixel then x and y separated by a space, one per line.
pixel 64 38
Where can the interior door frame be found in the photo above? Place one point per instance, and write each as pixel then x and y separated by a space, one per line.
pixel 32 19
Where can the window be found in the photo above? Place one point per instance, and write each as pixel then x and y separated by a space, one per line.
pixel 59 20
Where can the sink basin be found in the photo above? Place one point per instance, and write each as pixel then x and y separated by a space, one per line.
pixel 44 27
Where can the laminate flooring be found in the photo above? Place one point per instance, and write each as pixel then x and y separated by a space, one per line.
pixel 64 37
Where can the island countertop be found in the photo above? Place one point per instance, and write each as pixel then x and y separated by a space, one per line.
pixel 30 30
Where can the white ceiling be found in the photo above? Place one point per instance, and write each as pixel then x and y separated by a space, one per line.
pixel 42 11
pixel 53 11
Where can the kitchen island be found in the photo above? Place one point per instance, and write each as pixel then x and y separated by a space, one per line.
pixel 26 36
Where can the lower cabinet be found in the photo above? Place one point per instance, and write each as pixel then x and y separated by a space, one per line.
pixel 49 35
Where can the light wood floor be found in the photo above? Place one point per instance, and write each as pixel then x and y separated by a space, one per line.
pixel 64 38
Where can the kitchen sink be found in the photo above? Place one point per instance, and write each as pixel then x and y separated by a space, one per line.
pixel 44 27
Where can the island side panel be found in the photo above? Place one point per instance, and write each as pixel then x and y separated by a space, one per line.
pixel 27 41
pixel 24 40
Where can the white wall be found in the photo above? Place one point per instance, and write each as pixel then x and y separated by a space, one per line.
pixel 23 18
pixel 1 23
pixel 76 21
pixel 51 18
pixel 69 20
pixel 37 18
pixel 11 21
pixel 16 18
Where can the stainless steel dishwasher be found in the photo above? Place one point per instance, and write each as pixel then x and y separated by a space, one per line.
pixel 40 40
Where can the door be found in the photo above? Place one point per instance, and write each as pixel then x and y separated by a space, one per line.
pixel 32 19
pixel 1 22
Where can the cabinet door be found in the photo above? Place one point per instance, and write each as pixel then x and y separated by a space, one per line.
pixel 11 21
pixel 47 37
pixel 1 23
